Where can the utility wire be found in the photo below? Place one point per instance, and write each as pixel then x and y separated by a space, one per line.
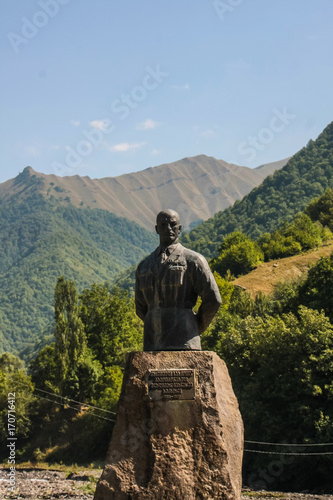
pixel 294 454
pixel 68 399
pixel 74 401
pixel 245 450
pixel 245 441
pixel 55 402
pixel 289 444
pixel 72 407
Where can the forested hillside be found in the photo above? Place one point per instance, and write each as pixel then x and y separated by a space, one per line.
pixel 41 240
pixel 280 196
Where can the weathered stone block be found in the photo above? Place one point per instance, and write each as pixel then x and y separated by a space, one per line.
pixel 173 441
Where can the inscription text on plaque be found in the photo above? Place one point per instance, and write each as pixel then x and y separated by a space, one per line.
pixel 171 384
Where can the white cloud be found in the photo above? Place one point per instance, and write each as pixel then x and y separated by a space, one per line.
pixel 148 124
pixel 181 87
pixel 126 146
pixel 75 123
pixel 155 152
pixel 100 124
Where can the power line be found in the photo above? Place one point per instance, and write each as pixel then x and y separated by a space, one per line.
pixel 56 402
pixel 74 401
pixel 68 399
pixel 245 450
pixel 245 441
pixel 290 453
pixel 289 444
pixel 72 407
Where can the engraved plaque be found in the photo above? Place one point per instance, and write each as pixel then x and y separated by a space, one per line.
pixel 171 384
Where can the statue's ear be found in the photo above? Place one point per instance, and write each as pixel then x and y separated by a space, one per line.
pixel 180 228
pixel 156 229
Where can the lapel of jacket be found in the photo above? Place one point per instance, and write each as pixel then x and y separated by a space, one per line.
pixel 176 252
pixel 173 257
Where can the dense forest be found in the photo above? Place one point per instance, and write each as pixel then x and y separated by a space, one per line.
pixel 278 199
pixel 278 349
pixel 41 240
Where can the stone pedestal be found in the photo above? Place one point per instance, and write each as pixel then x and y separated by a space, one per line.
pixel 179 433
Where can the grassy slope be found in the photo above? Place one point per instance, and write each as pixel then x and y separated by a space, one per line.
pixel 267 275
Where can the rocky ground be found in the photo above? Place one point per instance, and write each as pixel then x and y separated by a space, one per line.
pixel 36 484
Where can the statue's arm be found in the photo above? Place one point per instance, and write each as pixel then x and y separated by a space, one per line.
pixel 140 303
pixel 207 289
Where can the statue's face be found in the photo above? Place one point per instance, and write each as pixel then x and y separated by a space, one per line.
pixel 168 228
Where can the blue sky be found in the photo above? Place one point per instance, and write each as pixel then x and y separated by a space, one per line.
pixel 106 87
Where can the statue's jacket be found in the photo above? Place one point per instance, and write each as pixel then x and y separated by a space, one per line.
pixel 166 293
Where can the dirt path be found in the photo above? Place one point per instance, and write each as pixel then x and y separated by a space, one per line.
pixel 36 484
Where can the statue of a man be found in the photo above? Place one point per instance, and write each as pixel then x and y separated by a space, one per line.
pixel 168 283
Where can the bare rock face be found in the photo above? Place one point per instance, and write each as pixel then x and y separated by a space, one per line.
pixel 179 432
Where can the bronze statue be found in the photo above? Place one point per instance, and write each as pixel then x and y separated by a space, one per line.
pixel 168 283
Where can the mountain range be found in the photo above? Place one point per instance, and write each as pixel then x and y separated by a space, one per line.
pixel 197 187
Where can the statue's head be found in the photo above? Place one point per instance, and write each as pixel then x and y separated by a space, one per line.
pixel 168 227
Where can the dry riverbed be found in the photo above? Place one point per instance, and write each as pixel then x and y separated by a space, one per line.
pixel 36 484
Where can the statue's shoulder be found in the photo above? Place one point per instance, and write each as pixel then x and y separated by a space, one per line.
pixel 193 256
pixel 146 263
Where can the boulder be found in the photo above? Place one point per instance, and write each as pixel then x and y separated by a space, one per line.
pixel 179 432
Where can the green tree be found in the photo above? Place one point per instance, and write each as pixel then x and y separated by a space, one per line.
pixel 317 290
pixel 111 324
pixel 285 296
pixel 307 233
pixel 278 246
pixel 77 370
pixel 15 385
pixel 282 368
pixel 109 388
pixel 211 336
pixel 241 303
pixel 292 238
pixel 70 337
pixel 43 369
pixel 238 254
pixel 321 209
